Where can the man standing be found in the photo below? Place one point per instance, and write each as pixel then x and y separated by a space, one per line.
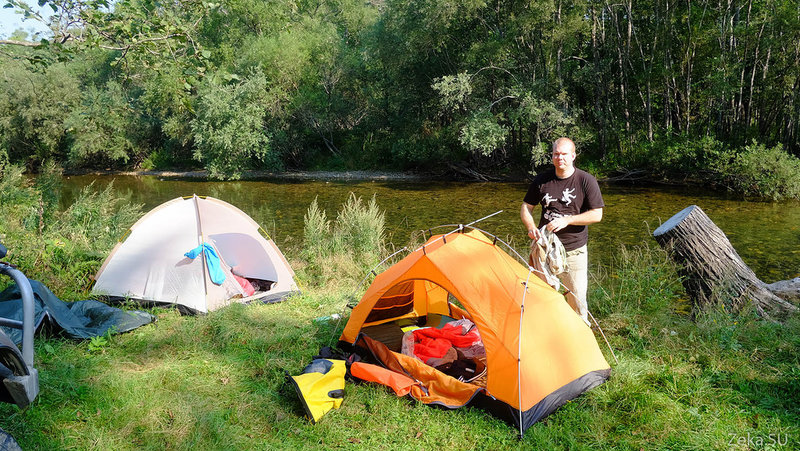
pixel 570 200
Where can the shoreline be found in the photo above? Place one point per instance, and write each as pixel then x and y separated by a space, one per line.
pixel 289 175
pixel 364 176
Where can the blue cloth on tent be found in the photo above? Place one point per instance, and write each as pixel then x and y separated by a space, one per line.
pixel 212 262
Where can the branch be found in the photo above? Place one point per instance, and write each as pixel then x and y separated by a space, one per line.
pixel 21 43
pixel 139 42
pixel 500 99
pixel 493 67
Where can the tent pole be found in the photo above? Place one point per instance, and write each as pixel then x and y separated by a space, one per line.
pixel 485 217
pixel 519 352
pixel 604 336
pixel 202 241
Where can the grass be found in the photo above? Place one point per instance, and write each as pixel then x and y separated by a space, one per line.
pixel 218 381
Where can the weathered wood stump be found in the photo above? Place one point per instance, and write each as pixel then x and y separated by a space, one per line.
pixel 786 289
pixel 712 271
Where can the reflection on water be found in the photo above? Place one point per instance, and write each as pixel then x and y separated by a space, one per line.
pixel 765 234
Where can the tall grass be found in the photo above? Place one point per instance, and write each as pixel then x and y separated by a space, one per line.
pixel 686 383
pixel 343 250
pixel 62 249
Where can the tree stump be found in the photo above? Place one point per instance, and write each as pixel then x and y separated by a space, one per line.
pixel 786 289
pixel 712 271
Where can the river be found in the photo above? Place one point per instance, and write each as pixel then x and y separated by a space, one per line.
pixel 765 234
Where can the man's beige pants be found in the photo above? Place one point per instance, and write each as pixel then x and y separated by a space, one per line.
pixel 575 279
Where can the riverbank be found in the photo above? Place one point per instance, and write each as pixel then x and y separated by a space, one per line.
pixel 289 175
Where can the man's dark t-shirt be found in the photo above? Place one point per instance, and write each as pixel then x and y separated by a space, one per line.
pixel 573 195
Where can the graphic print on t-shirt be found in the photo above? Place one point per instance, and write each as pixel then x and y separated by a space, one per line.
pixel 567 196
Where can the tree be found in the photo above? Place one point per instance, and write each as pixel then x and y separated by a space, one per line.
pixel 229 128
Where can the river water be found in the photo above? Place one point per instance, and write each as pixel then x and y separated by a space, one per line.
pixel 765 234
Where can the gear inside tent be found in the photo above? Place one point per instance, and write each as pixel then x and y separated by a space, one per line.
pixel 198 253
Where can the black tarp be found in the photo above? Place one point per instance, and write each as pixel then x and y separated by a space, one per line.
pixel 81 319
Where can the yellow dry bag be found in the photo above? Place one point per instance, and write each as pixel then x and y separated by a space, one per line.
pixel 320 387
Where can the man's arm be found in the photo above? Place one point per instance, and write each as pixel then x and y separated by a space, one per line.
pixel 526 214
pixel 585 218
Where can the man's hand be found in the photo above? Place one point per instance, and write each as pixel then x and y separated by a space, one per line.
pixel 534 234
pixel 558 223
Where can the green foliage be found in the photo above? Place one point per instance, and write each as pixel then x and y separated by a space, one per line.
pixel 229 128
pixel 34 106
pixel 316 230
pixel 343 250
pixel 454 90
pixel 96 217
pixel 100 343
pixel 426 151
pixel 754 170
pixel 166 101
pixel 546 119
pixel 482 134
pixel 678 91
pixel 62 249
pixel 218 380
pixel 16 194
pixel 102 127
pixel 3 157
pixel 643 279
pixel 157 160
pixel 48 184
pixel 765 172
pixel 673 158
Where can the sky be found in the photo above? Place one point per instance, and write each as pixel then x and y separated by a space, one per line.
pixel 11 21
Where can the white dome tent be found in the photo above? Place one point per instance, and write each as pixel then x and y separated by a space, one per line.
pixel 150 264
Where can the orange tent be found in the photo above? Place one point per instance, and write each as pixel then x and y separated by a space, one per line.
pixel 539 353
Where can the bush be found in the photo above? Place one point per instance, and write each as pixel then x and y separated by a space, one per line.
pixel 754 170
pixel 229 130
pixel 680 157
pixel 104 127
pixel 34 107
pixel 766 172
